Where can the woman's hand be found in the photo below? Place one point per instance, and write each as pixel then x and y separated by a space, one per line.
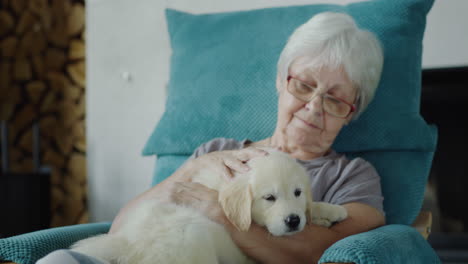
pixel 181 190
pixel 223 163
pixel 199 197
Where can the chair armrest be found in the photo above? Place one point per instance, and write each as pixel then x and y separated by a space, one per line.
pixel 387 244
pixel 27 248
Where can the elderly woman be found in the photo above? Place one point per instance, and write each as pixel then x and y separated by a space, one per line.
pixel 327 75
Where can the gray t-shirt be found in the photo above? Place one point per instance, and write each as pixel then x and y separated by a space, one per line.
pixel 334 178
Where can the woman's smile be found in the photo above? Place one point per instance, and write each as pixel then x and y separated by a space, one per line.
pixel 307 124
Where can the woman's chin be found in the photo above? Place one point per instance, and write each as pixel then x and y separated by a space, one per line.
pixel 300 138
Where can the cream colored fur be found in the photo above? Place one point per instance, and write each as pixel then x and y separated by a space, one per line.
pixel 167 233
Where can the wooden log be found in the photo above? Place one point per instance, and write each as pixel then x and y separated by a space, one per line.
pixel 18 6
pixel 80 144
pixel 64 142
pixel 72 209
pixel 77 167
pixel 22 70
pixel 58 219
pixel 47 124
pixel 26 141
pixel 61 8
pixel 24 117
pixel 37 6
pixel 71 93
pixel 84 218
pixel 5 77
pixel 69 113
pixel 54 59
pixel 6 22
pixel 35 89
pixel 57 35
pixel 78 130
pixel 81 108
pixel 38 66
pixel 49 104
pixel 73 187
pixel 6 111
pixel 77 50
pixel 31 43
pixel 58 81
pixel 10 97
pixel 26 22
pixel 34 42
pixel 8 46
pixel 76 20
pixel 77 73
pixel 53 159
pixel 57 195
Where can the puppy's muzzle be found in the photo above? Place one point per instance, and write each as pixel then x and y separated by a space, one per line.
pixel 292 222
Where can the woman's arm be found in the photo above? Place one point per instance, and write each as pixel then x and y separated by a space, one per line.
pixel 260 245
pixel 308 245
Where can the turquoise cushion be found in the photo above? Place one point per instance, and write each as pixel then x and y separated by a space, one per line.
pixel 391 244
pixel 28 248
pixel 223 69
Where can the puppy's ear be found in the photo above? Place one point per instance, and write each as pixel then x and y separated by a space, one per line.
pixel 309 205
pixel 235 198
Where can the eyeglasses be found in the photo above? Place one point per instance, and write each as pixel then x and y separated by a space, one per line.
pixel 334 106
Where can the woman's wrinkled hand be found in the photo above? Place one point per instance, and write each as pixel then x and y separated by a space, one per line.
pixel 199 197
pixel 180 189
pixel 225 163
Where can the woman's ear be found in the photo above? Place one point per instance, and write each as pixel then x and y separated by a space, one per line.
pixel 235 198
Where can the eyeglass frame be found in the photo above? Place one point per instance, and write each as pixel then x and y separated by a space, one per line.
pixel 353 106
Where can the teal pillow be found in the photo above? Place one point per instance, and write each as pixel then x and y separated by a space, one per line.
pixel 223 70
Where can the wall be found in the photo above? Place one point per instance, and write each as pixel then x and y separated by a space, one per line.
pixel 128 54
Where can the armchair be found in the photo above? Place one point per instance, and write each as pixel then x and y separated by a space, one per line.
pixel 229 92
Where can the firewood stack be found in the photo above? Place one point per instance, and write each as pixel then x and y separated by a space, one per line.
pixel 42 78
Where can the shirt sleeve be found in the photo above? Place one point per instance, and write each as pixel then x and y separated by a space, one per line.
pixel 216 144
pixel 360 183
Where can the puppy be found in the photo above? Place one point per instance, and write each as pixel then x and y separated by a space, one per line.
pixel 275 194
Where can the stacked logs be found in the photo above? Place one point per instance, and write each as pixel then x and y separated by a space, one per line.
pixel 42 78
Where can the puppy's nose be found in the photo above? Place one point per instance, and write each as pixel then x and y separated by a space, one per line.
pixel 292 221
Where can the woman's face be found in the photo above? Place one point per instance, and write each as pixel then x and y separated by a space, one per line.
pixel 306 125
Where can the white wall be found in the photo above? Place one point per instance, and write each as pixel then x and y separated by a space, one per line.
pixel 127 69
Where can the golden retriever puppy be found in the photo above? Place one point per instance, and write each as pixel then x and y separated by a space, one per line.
pixel 275 194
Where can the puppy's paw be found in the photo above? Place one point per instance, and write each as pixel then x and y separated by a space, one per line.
pixel 322 222
pixel 325 214
pixel 341 213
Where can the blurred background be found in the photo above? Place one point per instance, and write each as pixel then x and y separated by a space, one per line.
pixel 82 85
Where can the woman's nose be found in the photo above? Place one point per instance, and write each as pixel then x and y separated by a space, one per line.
pixel 315 105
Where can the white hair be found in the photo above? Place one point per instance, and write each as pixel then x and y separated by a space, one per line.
pixel 334 40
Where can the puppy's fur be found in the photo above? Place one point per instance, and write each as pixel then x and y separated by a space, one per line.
pixel 275 194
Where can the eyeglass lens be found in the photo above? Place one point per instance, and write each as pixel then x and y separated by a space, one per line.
pixel 331 104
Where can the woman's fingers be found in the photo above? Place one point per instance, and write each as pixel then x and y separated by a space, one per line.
pixel 192 194
pixel 251 152
pixel 237 165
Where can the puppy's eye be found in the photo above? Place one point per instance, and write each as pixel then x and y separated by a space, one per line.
pixel 269 197
pixel 297 192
